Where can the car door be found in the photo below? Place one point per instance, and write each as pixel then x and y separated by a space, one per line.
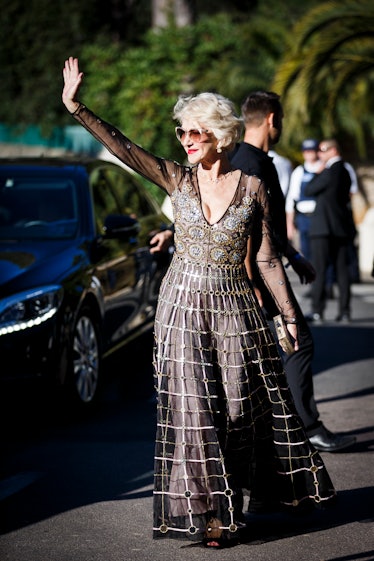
pixel 124 267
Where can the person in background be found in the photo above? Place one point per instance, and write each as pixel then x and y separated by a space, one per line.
pixel 225 416
pixel 284 170
pixel 354 269
pixel 262 113
pixel 332 230
pixel 299 207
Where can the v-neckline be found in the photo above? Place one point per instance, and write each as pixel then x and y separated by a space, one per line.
pixel 211 224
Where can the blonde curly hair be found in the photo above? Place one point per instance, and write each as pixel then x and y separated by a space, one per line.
pixel 215 112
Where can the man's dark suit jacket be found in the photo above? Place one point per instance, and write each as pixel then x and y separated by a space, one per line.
pixel 333 214
pixel 254 161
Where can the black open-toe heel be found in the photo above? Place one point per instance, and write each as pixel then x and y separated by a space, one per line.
pixel 213 534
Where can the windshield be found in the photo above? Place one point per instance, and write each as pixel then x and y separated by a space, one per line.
pixel 37 207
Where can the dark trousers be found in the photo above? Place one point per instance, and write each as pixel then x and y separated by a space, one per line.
pixel 302 222
pixel 298 366
pixel 326 250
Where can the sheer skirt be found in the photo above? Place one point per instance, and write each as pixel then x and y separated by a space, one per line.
pixel 225 417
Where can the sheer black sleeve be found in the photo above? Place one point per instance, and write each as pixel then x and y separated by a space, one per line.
pixel 268 260
pixel 164 173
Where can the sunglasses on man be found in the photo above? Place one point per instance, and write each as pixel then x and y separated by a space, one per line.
pixel 324 148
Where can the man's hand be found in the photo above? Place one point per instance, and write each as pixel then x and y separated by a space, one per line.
pixel 161 241
pixel 303 268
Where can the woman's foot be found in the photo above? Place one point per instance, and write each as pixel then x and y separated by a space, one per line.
pixel 214 537
pixel 212 543
pixel 213 534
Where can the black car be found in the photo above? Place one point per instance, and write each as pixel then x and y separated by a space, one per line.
pixel 77 279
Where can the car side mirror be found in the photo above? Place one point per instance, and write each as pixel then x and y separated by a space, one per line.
pixel 121 226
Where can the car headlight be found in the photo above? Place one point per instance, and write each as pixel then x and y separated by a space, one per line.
pixel 29 308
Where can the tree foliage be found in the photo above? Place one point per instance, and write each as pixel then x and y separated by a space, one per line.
pixel 317 55
pixel 327 75
pixel 138 88
pixel 37 36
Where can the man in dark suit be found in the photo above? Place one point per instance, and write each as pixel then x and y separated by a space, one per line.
pixel 331 229
pixel 262 114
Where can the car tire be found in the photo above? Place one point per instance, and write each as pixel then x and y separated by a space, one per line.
pixel 85 365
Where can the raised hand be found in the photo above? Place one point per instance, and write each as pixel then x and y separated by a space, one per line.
pixel 72 81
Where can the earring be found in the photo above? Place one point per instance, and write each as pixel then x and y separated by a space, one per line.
pixel 219 149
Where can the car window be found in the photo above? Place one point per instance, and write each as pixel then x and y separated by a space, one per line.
pixel 104 201
pixel 116 192
pixel 130 194
pixel 37 207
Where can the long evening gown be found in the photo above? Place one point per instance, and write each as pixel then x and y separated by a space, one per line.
pixel 225 416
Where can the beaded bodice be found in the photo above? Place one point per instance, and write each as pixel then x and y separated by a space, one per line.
pixel 222 243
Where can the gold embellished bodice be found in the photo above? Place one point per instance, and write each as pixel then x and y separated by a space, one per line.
pixel 224 242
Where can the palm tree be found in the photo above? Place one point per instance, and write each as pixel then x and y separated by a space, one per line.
pixel 326 78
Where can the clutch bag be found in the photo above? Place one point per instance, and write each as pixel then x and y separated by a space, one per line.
pixel 283 335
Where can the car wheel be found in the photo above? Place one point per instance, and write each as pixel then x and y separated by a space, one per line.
pixel 86 359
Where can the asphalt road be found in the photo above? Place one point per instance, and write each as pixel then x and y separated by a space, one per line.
pixel 76 488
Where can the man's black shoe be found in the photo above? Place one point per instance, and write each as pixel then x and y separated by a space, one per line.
pixel 343 318
pixel 314 317
pixel 326 441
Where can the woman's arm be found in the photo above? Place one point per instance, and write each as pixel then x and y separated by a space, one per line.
pixel 270 266
pixel 164 173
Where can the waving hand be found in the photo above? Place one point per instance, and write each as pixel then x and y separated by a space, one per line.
pixel 72 81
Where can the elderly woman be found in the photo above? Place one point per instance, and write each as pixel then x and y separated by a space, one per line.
pixel 225 417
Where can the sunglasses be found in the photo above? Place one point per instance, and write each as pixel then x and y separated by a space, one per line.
pixel 194 134
pixel 324 148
